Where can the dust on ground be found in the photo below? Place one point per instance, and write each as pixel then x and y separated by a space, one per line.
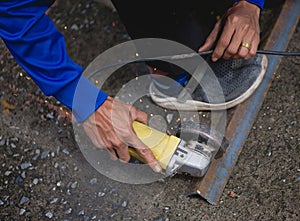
pixel 44 176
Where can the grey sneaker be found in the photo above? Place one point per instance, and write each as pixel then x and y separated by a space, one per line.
pixel 223 84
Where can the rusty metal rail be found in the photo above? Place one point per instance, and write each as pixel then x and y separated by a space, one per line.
pixel 211 186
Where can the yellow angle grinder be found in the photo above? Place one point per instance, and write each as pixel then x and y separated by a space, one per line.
pixel 176 155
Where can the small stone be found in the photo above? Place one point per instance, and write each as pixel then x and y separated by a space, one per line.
pixel 81 212
pixel 167 209
pixel 23 174
pixel 35 157
pixel 49 215
pixel 101 194
pixel 63 201
pixel 55 200
pixel 93 181
pixel 25 165
pixel 24 199
pixel 74 185
pixel 68 211
pixel 22 211
pixel 86 218
pixel 45 154
pixel 1 203
pixel 169 117
pixel 2 142
pixel 124 204
pixel 8 151
pixel 58 183
pixel 13 145
pixel 35 181
pixel 7 173
pixel 18 180
pixel 50 116
pixel 74 27
pixel 58 150
pixel 36 132
pixel 65 151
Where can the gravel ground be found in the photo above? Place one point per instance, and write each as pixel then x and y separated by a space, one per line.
pixel 44 176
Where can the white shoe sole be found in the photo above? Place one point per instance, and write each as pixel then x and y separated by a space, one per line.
pixel 191 105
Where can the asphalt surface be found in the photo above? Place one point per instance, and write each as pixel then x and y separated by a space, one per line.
pixel 44 176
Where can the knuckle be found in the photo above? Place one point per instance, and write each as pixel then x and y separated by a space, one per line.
pixel 252 32
pixel 118 144
pixel 223 43
pixel 252 52
pixel 242 54
pixel 231 51
pixel 109 145
pixel 143 152
pixel 133 109
pixel 127 137
pixel 226 56
pixel 217 54
pixel 233 19
pixel 246 26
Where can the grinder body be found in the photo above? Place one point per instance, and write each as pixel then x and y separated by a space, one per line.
pixel 173 154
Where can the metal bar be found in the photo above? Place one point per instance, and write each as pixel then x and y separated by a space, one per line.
pixel 211 186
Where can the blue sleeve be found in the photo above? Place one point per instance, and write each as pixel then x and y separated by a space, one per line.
pixel 40 49
pixel 259 3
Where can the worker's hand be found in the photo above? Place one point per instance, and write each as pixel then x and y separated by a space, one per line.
pixel 236 35
pixel 111 127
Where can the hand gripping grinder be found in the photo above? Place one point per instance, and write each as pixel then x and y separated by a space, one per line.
pixel 192 154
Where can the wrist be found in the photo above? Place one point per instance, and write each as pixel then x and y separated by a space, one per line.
pixel 250 6
pixel 258 3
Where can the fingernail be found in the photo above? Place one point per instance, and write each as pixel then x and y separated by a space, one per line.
pixel 214 59
pixel 157 168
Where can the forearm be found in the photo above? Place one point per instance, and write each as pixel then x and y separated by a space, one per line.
pixel 40 49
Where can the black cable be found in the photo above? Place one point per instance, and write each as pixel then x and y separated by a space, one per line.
pixel 183 56
pixel 267 52
pixel 280 53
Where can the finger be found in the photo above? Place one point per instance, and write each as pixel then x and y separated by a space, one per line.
pixel 145 152
pixel 148 156
pixel 141 117
pixel 255 43
pixel 122 151
pixel 211 39
pixel 223 42
pixel 93 136
pixel 244 51
pixel 234 45
pixel 119 147
pixel 112 154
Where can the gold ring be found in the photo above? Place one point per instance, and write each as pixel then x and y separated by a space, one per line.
pixel 246 45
